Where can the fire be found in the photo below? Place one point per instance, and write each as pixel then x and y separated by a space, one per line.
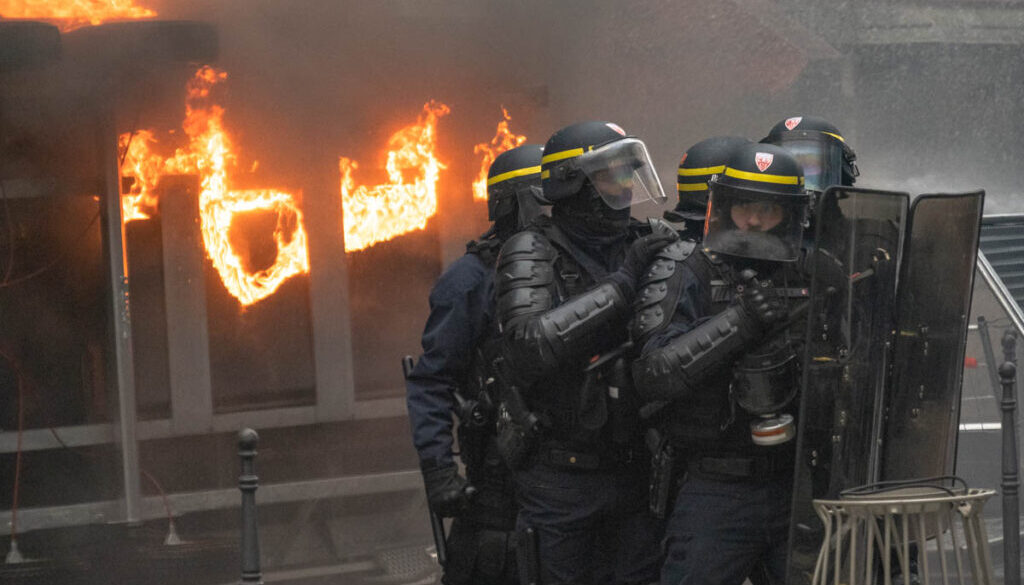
pixel 382 212
pixel 72 14
pixel 503 140
pixel 145 167
pixel 210 153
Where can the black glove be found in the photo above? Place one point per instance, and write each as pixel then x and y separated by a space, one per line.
pixel 447 492
pixel 640 255
pixel 763 308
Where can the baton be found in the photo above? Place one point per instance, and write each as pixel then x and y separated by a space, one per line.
pixel 436 523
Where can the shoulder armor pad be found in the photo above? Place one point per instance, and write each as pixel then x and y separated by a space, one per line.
pixel 525 276
pixel 524 272
pixel 655 301
pixel 659 270
pixel 527 244
pixel 677 251
pixel 526 259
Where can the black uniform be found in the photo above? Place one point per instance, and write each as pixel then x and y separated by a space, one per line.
pixel 583 489
pixel 564 292
pixel 719 364
pixel 461 317
pixel 455 376
pixel 732 503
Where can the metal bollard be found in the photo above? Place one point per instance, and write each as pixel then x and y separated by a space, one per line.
pixel 1011 497
pixel 247 483
pixel 1010 346
pixel 1009 342
pixel 990 356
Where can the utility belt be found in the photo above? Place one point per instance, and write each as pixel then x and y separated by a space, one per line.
pixel 741 468
pixel 596 430
pixel 562 456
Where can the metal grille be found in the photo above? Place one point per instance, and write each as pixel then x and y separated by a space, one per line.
pixel 1002 241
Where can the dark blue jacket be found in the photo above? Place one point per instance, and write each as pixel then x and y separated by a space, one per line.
pixel 461 316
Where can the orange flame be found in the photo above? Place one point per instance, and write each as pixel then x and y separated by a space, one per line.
pixel 379 213
pixel 145 167
pixel 503 140
pixel 72 14
pixel 210 153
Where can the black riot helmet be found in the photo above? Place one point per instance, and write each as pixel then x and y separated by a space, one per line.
pixel 819 147
pixel 514 193
pixel 598 155
pixel 699 163
pixel 758 205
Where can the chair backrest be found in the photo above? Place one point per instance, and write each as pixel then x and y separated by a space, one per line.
pixel 936 534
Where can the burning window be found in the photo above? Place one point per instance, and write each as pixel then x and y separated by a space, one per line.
pixel 72 14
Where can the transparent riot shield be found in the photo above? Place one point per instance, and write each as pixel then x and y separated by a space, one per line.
pixel 936 282
pixel 854 265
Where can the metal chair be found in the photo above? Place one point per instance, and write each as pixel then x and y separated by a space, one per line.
pixel 867 527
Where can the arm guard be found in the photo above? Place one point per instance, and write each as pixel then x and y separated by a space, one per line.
pixel 676 369
pixel 584 325
pixel 538 336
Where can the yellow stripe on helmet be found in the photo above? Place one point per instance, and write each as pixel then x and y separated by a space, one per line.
pixel 761 178
pixel 561 155
pixel 692 186
pixel 701 171
pixel 836 136
pixel 513 174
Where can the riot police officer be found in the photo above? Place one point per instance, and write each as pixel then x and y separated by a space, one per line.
pixel 821 150
pixel 698 164
pixel 720 354
pixel 827 159
pixel 451 377
pixel 564 288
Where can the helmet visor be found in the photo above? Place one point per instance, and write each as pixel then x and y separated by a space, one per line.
pixel 753 224
pixel 622 173
pixel 821 159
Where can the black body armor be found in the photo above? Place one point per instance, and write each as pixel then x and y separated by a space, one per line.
pixel 698 372
pixel 555 316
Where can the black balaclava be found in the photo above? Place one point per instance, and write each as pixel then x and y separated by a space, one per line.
pixel 596 228
pixel 588 215
pixel 506 225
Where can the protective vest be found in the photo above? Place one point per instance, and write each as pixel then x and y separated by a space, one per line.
pixel 709 420
pixel 540 269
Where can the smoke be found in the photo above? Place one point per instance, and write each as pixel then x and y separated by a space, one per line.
pixel 928 104
pixel 340 74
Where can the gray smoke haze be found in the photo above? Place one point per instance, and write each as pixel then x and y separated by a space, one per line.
pixel 929 95
pixel 922 115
